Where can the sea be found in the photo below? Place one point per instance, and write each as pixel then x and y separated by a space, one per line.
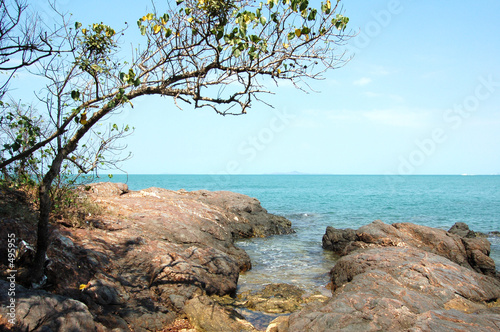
pixel 313 202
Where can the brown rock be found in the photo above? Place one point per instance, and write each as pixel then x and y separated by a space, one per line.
pixel 400 289
pixel 461 229
pixel 37 310
pixel 207 315
pixel 274 298
pixel 469 252
pixel 105 189
pixel 337 239
pixel 153 250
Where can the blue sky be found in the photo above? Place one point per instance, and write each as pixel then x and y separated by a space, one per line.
pixel 420 96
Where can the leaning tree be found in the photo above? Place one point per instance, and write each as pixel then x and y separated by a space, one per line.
pixel 216 54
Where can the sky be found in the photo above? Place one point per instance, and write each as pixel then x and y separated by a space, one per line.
pixel 421 95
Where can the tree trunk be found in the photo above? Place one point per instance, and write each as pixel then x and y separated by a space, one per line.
pixel 42 243
pixel 43 236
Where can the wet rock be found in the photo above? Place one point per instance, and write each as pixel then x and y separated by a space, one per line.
pixel 337 239
pixel 275 298
pixel 37 310
pixel 207 315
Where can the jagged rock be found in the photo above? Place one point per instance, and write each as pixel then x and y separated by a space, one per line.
pixel 37 310
pixel 461 229
pixel 472 253
pixel 337 239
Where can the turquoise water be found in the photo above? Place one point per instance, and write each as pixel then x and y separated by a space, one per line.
pixel 313 202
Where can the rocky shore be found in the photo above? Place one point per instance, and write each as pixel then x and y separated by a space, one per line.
pixel 151 259
pixel 161 260
pixel 405 277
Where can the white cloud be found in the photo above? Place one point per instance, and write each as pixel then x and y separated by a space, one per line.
pixel 362 81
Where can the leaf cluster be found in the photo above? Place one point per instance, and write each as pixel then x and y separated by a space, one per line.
pixel 96 44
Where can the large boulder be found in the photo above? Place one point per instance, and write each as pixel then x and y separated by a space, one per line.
pixel 153 250
pixel 406 277
pixel 37 310
pixel 252 220
pixel 470 252
pixel 402 289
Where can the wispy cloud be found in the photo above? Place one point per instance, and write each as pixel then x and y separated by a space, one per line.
pixel 362 81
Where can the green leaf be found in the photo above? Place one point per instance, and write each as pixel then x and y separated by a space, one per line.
pixel 78 25
pixel 236 52
pixel 312 15
pixel 75 94
pixel 168 33
pixel 291 35
pixel 303 5
pixel 255 39
pixel 219 35
pixel 124 77
pixel 263 20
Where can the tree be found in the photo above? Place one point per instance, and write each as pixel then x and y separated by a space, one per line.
pixel 208 53
pixel 22 41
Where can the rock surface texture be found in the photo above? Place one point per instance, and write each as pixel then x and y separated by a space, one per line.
pixel 405 277
pixel 149 254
